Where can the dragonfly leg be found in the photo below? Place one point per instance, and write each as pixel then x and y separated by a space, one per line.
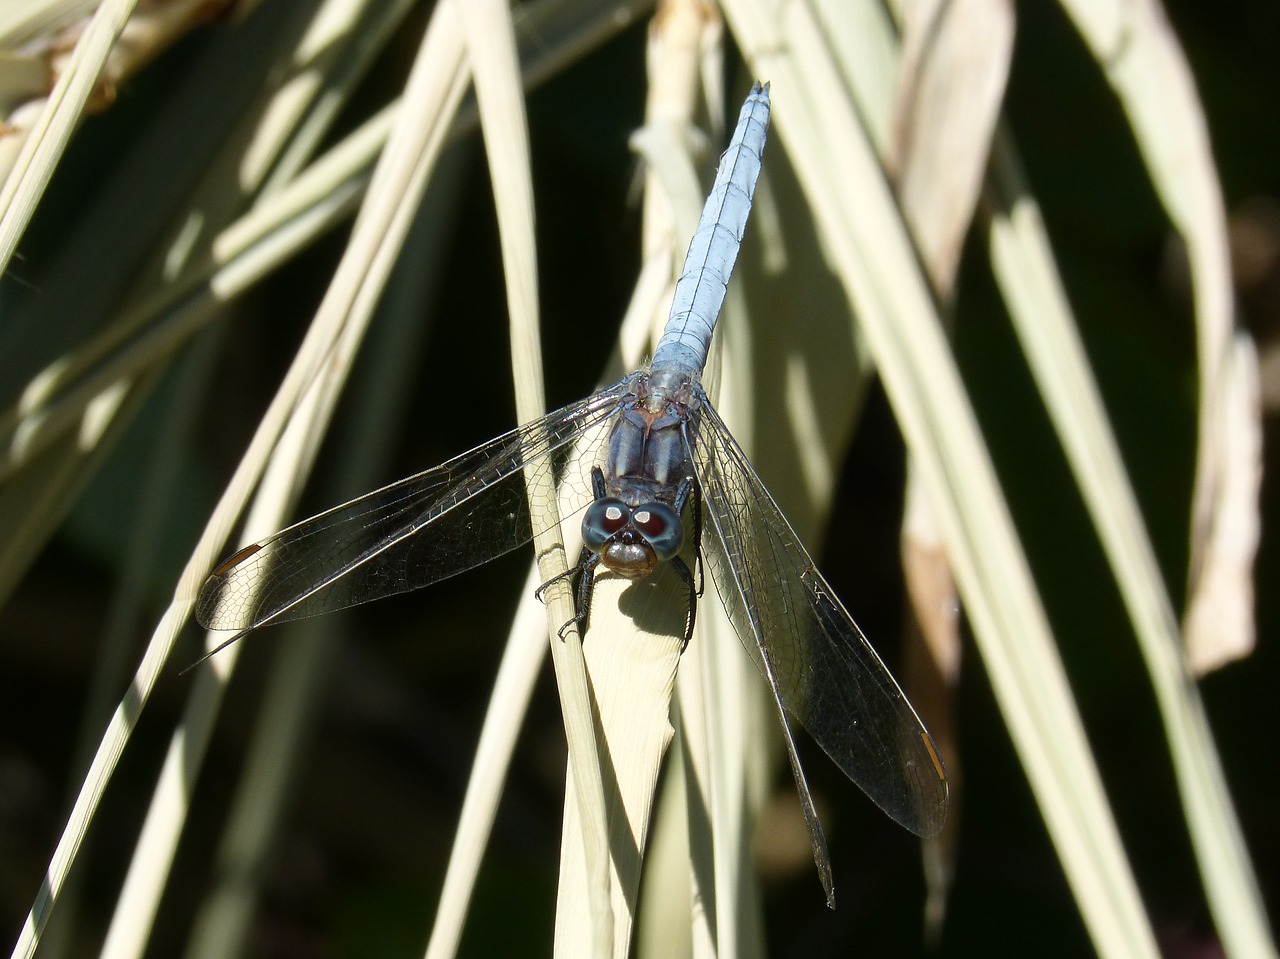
pixel 580 576
pixel 540 594
pixel 689 487
pixel 697 538
pixel 585 571
pixel 682 568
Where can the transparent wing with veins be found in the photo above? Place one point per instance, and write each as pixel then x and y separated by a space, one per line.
pixel 417 531
pixel 817 661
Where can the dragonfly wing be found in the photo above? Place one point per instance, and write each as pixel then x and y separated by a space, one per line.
pixel 815 657
pixel 417 531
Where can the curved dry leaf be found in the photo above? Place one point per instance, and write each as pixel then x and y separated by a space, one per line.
pixel 1219 626
pixel 932 676
pixel 1145 65
pixel 35 52
pixel 881 272
pixel 951 82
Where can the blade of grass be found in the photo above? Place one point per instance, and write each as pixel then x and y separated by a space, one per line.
pixel 306 656
pixel 859 220
pixel 551 35
pixel 955 65
pixel 39 155
pixel 209 191
pixel 1024 267
pixel 952 75
pixel 188 386
pixel 1150 76
pixel 139 899
pixel 1219 621
pixel 22 22
pixel 331 61
pixel 545 5
pixel 144 335
pixel 434 94
pixel 1145 66
pixel 491 44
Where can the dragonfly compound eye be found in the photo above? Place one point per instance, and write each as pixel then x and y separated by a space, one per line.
pixel 603 519
pixel 660 525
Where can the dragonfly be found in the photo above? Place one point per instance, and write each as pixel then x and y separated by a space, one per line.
pixel 652 465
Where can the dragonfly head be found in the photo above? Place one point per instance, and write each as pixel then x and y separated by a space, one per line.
pixel 631 540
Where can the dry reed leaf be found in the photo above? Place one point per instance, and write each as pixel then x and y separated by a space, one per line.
pixel 435 92
pixel 932 675
pixel 527 641
pixel 952 76
pixel 1146 67
pixel 1219 624
pixel 492 50
pixel 844 183
pixel 36 47
pixel 52 125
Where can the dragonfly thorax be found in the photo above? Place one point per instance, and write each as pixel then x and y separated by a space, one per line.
pixel 662 390
pixel 648 446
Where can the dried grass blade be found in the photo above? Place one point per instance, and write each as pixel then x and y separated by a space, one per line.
pixel 859 220
pixel 52 130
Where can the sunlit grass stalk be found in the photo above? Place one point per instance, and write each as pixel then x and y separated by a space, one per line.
pixel 36 161
pixel 370 255
pixel 868 242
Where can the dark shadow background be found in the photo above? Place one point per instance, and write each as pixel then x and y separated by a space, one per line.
pixel 377 796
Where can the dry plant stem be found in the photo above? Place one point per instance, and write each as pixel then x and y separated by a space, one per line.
pixel 932 675
pixel 1023 265
pixel 384 216
pixel 291 458
pixel 39 155
pixel 683 41
pixel 1208 818
pixel 874 258
pixel 1146 66
pixel 226 916
pixel 952 76
pixel 491 44
pixel 1219 623
pixel 263 238
pixel 522 659
pixel 953 73
pixel 61 398
pixel 631 665
pixel 39 38
pixel 1147 70
pixel 307 648
pixel 526 642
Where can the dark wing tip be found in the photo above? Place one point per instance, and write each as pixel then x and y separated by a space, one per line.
pixel 929 815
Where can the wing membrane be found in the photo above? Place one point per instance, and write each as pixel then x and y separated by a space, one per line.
pixel 417 531
pixel 815 657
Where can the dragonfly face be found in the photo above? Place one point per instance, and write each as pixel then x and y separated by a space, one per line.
pixel 631 541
